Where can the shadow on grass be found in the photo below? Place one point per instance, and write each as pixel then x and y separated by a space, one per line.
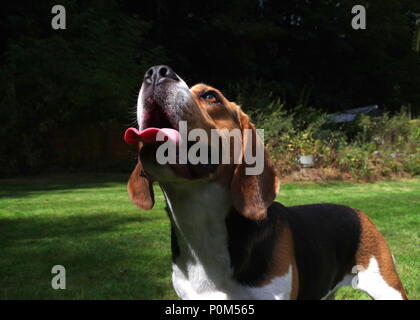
pixel 21 187
pixel 105 256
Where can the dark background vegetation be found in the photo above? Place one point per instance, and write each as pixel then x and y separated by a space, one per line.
pixel 66 96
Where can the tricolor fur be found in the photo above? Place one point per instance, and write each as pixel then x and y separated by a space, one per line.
pixel 230 239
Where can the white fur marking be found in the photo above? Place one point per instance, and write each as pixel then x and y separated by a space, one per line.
pixel 280 288
pixel 203 269
pixel 372 282
pixel 140 109
pixel 204 264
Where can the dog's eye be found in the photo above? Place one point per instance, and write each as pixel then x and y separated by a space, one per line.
pixel 210 97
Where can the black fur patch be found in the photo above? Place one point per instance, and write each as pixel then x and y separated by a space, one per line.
pixel 174 241
pixel 174 245
pixel 251 245
pixel 326 238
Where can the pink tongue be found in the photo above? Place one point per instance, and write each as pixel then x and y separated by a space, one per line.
pixel 149 135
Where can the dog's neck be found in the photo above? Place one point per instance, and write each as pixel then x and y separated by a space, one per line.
pixel 198 213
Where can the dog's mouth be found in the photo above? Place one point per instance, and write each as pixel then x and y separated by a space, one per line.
pixel 158 126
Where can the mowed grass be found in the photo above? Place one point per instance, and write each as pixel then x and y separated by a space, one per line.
pixel 111 250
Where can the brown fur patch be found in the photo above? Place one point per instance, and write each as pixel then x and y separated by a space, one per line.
pixel 140 189
pixel 253 194
pixel 373 244
pixel 284 257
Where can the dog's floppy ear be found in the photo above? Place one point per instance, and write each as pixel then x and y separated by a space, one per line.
pixel 253 194
pixel 140 188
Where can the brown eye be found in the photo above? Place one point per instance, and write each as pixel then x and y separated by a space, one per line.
pixel 210 97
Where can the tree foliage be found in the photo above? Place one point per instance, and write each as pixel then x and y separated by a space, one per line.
pixel 302 51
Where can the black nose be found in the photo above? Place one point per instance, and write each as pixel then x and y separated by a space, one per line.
pixel 158 74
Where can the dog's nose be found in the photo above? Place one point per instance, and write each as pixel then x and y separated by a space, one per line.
pixel 158 74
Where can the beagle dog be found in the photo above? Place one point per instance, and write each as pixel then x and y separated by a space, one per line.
pixel 230 239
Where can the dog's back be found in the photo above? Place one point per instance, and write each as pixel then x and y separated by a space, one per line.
pixel 334 243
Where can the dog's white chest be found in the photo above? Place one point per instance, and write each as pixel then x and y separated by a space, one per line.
pixel 201 287
pixel 196 285
pixel 203 268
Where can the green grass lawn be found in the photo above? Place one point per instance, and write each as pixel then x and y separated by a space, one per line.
pixel 111 250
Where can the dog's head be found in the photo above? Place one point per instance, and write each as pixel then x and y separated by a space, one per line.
pixel 164 102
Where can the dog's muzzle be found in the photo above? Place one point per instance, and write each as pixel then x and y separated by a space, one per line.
pixel 158 107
